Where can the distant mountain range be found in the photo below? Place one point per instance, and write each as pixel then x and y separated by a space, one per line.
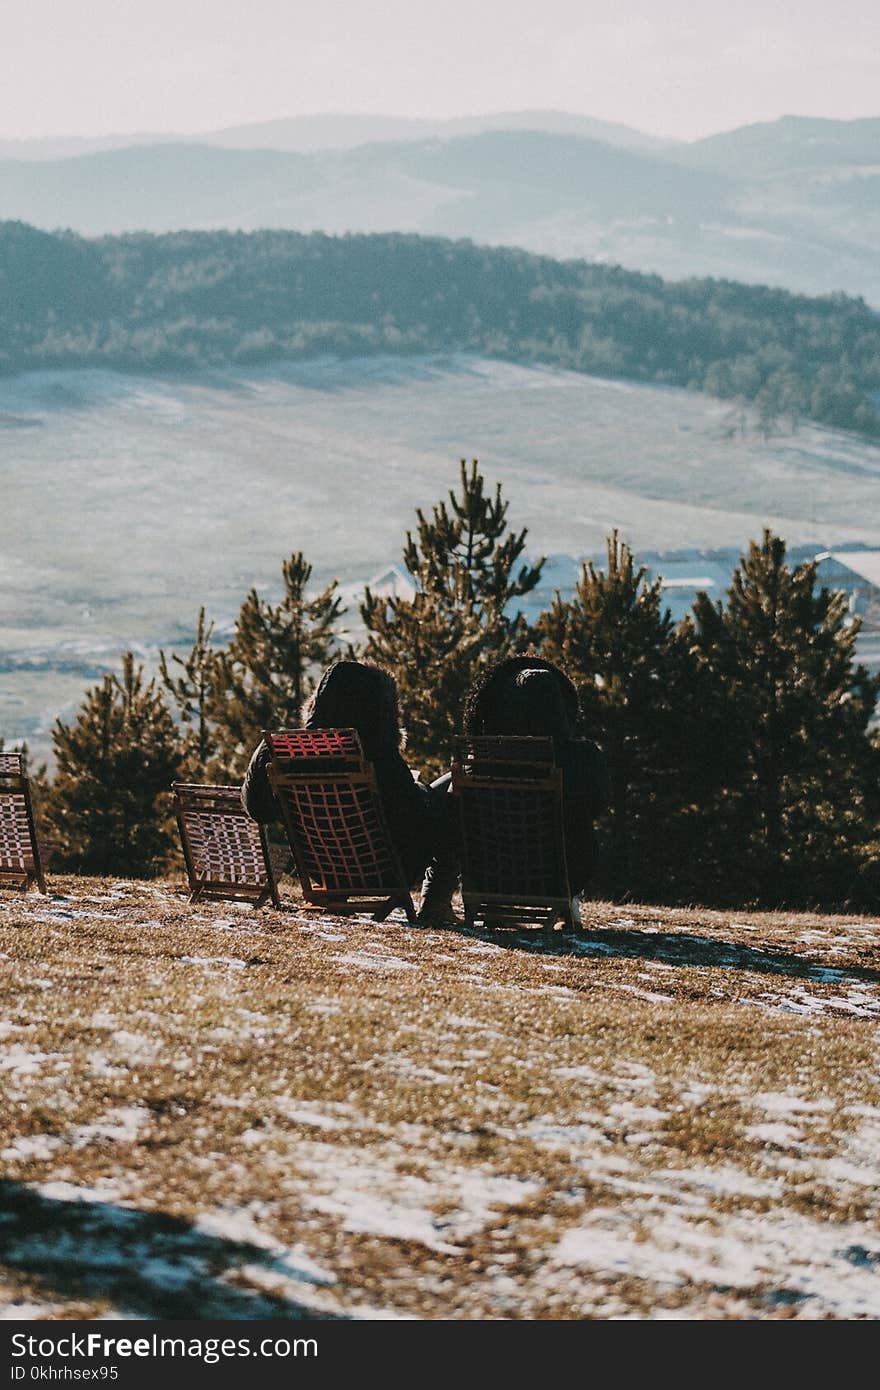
pixel 793 202
pixel 341 131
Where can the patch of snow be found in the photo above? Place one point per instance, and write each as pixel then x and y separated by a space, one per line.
pixel 307 1112
pixel 401 1218
pixel 782 1103
pixel 642 993
pixel 101 1019
pixel 548 1134
pixel 27 1312
pixel 240 1228
pixel 24 1146
pixel 722 1180
pixel 233 961
pixel 582 1073
pixel 595 948
pixel 121 1126
pixel 402 1066
pixel 776 1132
pixel 136 1045
pixel 22 1062
pixel 642 1114
pixel 99 1066
pixel 839 1170
pixel 374 1198
pixel 778 1254
pixel 324 1006
pixel 367 960
pixel 104 1190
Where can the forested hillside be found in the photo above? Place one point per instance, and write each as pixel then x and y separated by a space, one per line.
pixel 191 300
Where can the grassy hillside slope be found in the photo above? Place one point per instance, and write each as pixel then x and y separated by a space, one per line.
pixel 212 1111
pixel 191 300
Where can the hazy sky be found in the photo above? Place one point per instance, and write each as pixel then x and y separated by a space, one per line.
pixel 681 67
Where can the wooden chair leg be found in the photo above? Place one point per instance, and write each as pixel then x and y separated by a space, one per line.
pixel 571 918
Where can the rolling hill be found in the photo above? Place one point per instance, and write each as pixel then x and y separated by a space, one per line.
pixel 487 186
pixel 794 203
pixel 190 300
pixel 341 131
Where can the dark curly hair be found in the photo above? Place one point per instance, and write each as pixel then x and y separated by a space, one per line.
pixel 358 695
pixel 498 703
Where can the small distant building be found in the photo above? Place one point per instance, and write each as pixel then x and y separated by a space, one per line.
pixel 393 583
pixel 856 572
pixel 684 574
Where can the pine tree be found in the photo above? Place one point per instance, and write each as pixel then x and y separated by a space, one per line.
pixel 793 803
pixel 616 641
pixel 109 809
pixel 468 567
pixel 263 678
pixel 193 691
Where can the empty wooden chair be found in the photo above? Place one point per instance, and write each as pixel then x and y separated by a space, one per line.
pixel 333 814
pixel 20 856
pixel 514 870
pixel 227 854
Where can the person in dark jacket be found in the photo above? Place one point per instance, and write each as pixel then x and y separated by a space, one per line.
pixel 528 697
pixel 358 695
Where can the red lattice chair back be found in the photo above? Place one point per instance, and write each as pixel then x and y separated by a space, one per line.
pixel 335 822
pixel 512 833
pixel 20 856
pixel 227 855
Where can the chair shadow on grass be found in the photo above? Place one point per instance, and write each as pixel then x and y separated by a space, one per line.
pixel 676 948
pixel 146 1264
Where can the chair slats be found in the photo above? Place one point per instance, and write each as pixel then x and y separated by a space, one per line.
pixel 512 833
pixel 227 854
pixel 335 822
pixel 20 857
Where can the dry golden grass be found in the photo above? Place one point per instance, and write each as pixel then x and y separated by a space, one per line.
pixel 214 1111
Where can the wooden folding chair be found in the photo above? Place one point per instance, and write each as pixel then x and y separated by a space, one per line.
pixel 20 856
pixel 335 823
pixel 227 854
pixel 514 869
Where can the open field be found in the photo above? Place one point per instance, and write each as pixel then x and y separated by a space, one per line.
pixel 130 501
pixel 211 1111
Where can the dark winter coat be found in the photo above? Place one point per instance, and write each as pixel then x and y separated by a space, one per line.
pixel 353 695
pixel 526 696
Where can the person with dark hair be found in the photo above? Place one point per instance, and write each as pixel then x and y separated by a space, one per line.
pixel 527 697
pixel 359 695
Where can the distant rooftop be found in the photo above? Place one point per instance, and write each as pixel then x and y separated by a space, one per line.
pixel 864 563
